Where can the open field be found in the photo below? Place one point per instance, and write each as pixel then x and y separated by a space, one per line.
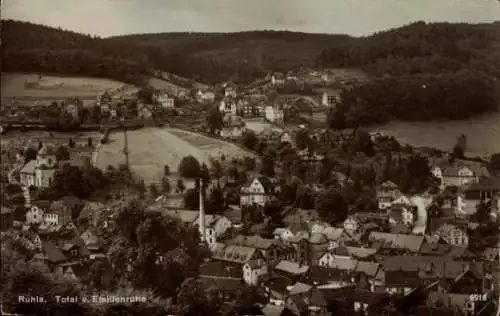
pixel 259 125
pixel 30 86
pixel 152 148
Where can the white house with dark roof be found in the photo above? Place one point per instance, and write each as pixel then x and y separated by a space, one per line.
pixel 258 191
pixel 40 172
pixel 386 193
pixel 453 235
pixel 253 270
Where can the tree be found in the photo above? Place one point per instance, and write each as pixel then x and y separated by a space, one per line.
pixel 30 154
pixel 363 144
pixel 165 185
pixel 180 186
pixel 191 199
pixel 141 188
pixel 153 190
pixel 250 140
pixel 249 163
pixel 146 94
pixel 216 203
pixel 166 170
pixel 494 163
pixel 214 120
pixel 302 139
pixel 458 152
pixel 62 153
pixel 89 142
pixel 267 167
pixel 331 206
pixel 147 244
pixel 189 167
pixel 71 143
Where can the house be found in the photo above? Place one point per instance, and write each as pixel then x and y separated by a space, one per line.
pixel 411 243
pixel 278 79
pixel 234 254
pixel 253 270
pixel 355 222
pixel 40 172
pixel 276 287
pixel 230 90
pixel 145 111
pixel 405 215
pixel 292 270
pixel 483 189
pixel 309 301
pixel 459 302
pixel 220 270
pixel 329 97
pixel 274 114
pixel 233 128
pixel 405 273
pixel 271 249
pixel 257 192
pixel 228 106
pixel 286 138
pixel 165 100
pixel 402 200
pixel 275 310
pixel 57 214
pixel 72 107
pixel 458 173
pixel 386 193
pixel 336 236
pixel 215 227
pixel 453 235
pixel 205 96
pixel 330 260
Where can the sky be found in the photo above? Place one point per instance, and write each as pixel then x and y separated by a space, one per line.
pixel 353 17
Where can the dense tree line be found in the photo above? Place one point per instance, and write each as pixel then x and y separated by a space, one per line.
pixel 454 95
pixel 34 48
pixel 420 48
pixel 416 48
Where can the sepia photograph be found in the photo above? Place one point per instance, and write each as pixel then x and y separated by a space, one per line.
pixel 250 158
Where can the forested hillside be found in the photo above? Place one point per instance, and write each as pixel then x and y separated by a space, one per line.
pixel 29 47
pixel 211 57
pixel 421 48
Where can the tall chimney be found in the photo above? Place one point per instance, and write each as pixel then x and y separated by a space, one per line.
pixel 201 216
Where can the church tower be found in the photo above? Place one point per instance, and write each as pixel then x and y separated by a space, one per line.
pixel 201 216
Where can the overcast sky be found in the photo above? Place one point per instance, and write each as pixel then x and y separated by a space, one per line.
pixel 355 17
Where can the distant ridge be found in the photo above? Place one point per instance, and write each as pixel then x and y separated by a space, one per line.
pixel 243 56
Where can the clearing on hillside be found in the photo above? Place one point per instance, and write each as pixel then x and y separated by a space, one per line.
pixel 150 149
pixel 35 87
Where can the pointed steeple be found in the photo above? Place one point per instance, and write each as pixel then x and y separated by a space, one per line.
pixel 201 216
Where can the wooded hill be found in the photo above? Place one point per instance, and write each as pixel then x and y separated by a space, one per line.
pixel 211 57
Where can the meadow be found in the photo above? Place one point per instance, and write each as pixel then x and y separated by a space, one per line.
pixel 46 87
pixel 260 125
pixel 150 149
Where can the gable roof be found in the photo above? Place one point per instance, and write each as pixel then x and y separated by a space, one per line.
pixel 272 310
pixel 216 269
pixel 233 253
pixel 370 269
pixel 251 241
pixel 186 216
pixel 398 241
pixel 53 253
pixel 29 167
pixel 291 267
